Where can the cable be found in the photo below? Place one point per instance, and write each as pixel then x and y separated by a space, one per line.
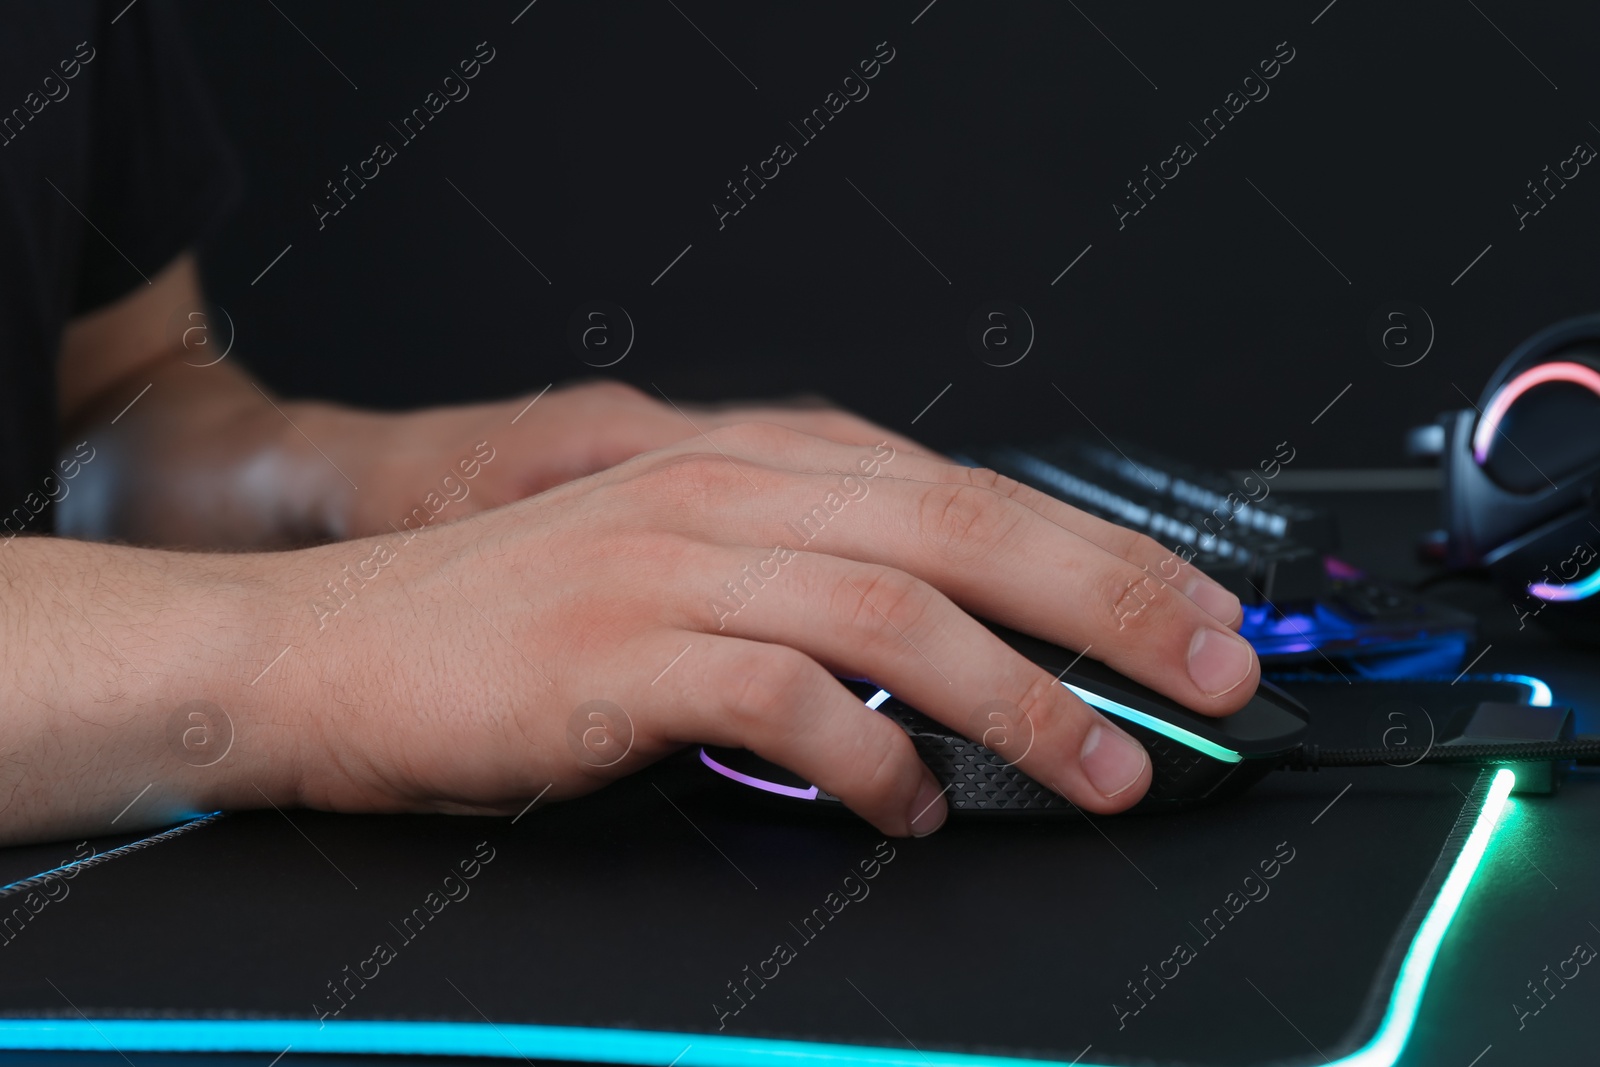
pixel 1314 757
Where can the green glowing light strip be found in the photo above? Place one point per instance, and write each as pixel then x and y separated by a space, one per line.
pixel 1150 722
pixel 514 1040
pixel 1385 1047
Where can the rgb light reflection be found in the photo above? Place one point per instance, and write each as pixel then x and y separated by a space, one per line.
pixel 808 793
pixel 594 1045
pixel 1539 694
pixel 1160 726
pixel 1489 421
pixel 1581 589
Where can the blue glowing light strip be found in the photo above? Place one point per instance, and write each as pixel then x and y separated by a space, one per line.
pixel 1150 722
pixel 521 1040
pixel 1539 694
pixel 72 868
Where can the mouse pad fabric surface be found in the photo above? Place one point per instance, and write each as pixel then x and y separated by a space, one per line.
pixel 677 907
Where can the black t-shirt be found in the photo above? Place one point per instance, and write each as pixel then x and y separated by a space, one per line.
pixel 111 164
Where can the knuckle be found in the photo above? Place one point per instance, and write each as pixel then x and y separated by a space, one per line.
pixel 966 522
pixel 995 482
pixel 880 777
pixel 1138 601
pixel 754 435
pixel 877 610
pixel 611 390
pixel 1143 546
pixel 766 684
pixel 844 428
pixel 1040 703
pixel 695 475
pixel 983 477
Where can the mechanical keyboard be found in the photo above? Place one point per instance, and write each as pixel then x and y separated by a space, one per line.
pixel 1302 604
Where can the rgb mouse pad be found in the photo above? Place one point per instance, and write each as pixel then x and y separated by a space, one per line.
pixel 660 922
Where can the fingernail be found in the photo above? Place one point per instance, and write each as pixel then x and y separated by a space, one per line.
pixel 1112 760
pixel 1219 661
pixel 929 810
pixel 1215 601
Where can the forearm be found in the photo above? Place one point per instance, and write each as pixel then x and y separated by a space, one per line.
pixel 204 456
pixel 127 678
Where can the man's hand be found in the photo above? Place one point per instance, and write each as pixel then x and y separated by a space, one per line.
pixel 705 592
pixel 707 589
pixel 538 441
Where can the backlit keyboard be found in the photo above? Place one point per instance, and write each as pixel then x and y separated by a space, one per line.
pixel 1302 604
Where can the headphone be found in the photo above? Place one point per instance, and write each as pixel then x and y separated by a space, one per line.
pixel 1521 487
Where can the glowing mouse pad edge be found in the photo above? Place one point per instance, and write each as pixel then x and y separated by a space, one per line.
pixel 1410 965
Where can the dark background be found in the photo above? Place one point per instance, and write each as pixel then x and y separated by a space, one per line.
pixel 997 140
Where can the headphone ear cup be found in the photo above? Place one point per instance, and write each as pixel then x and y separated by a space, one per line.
pixel 1531 434
pixel 1538 349
pixel 1475 518
pixel 1521 491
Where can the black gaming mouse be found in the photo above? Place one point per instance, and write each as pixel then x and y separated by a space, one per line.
pixel 1194 757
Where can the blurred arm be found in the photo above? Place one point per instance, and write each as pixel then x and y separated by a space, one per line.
pixel 188 449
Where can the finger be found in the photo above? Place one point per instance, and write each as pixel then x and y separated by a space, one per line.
pixel 1161 564
pixel 863 620
pixel 993 556
pixel 786 708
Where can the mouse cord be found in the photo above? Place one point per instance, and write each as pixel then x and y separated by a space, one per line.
pixel 1314 757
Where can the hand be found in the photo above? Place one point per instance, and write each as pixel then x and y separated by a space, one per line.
pixel 459 671
pixel 398 460
pixel 199 455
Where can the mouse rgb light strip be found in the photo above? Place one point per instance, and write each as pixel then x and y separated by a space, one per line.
pixel 1160 726
pixel 808 793
pixel 520 1040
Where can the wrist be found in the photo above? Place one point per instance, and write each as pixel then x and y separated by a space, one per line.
pixel 236 724
pixel 280 676
pixel 131 703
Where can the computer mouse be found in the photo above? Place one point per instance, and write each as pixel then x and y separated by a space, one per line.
pixel 1195 758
